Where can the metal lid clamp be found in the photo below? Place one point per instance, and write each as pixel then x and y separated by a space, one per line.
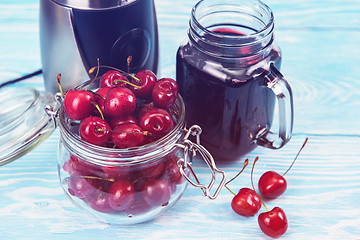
pixel 190 150
pixel 53 111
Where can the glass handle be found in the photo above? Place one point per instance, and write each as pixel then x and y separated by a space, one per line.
pixel 278 84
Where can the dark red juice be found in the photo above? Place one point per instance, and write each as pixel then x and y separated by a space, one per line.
pixel 228 99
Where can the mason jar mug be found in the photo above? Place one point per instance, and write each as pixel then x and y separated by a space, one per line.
pixel 228 75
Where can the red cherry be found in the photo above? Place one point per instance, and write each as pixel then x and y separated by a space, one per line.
pixel 79 104
pixel 122 120
pixel 246 203
pixel 109 79
pixel 121 195
pixel 116 172
pixel 100 202
pixel 78 165
pixel 95 130
pixel 119 101
pixel 127 135
pixel 151 170
pixel 165 92
pixel 174 173
pixel 157 121
pixel 157 192
pixel 68 167
pixel 80 187
pixel 147 82
pixel 272 185
pixel 273 223
pixel 139 206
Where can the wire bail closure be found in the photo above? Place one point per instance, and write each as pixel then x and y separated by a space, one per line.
pixel 53 111
pixel 190 150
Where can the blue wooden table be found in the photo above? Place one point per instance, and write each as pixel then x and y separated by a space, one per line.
pixel 320 41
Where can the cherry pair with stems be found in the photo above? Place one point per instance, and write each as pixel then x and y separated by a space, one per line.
pixel 271 185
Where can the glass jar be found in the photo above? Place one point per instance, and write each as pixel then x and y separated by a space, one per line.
pixel 133 185
pixel 227 72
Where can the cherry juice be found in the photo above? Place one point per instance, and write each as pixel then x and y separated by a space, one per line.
pixel 227 96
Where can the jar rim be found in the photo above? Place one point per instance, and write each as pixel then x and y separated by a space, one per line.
pixel 231 29
pixel 257 3
pixel 114 156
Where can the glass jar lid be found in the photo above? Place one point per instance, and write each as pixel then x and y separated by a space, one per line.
pixel 24 123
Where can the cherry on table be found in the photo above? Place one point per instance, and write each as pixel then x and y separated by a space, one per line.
pixel 95 130
pixel 79 104
pixel 271 184
pixel 273 223
pixel 246 202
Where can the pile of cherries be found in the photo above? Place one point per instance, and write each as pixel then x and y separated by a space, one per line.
pixel 271 185
pixel 125 111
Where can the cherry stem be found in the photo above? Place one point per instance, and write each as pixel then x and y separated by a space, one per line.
pixel 58 78
pixel 124 81
pixel 246 162
pixel 98 95
pixel 252 182
pixel 97 73
pixel 229 190
pixel 145 133
pixel 252 172
pixel 262 202
pixel 93 177
pixel 128 60
pixel 99 110
pixel 116 69
pixel 296 156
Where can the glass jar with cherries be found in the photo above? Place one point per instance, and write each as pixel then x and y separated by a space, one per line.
pixel 134 183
